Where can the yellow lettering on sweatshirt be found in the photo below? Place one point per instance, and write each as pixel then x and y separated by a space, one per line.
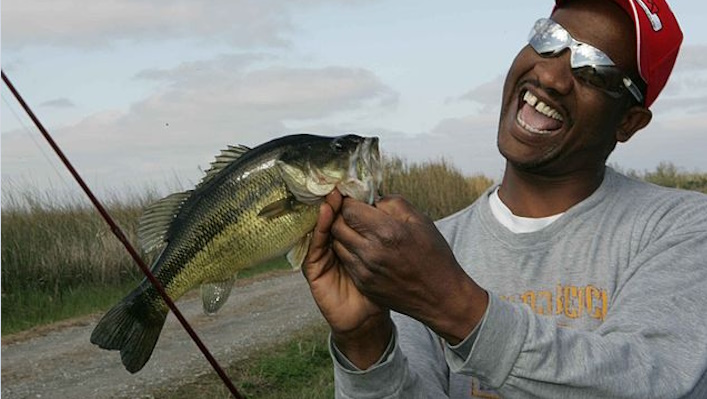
pixel 570 301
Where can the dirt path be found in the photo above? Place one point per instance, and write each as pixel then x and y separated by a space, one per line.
pixel 64 364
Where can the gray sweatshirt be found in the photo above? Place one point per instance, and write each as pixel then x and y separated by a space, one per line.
pixel 608 301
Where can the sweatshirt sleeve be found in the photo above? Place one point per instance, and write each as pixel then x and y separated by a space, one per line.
pixel 415 369
pixel 652 344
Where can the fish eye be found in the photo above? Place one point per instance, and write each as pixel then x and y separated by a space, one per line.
pixel 337 146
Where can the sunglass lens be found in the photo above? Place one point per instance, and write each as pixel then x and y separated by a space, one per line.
pixel 547 37
pixel 604 78
pixel 589 64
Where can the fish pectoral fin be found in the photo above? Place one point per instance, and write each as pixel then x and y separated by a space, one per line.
pixel 279 208
pixel 215 294
pixel 299 252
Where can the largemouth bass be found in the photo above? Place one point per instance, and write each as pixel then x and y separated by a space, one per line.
pixel 253 205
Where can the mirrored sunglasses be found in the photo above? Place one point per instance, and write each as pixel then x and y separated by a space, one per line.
pixel 589 64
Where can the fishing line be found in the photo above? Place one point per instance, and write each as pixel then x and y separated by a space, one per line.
pixel 121 237
pixel 41 149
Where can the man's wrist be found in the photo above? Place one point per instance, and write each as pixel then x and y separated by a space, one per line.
pixel 463 315
pixel 365 346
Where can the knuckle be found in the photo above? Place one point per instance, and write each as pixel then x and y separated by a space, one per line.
pixel 388 236
pixel 363 279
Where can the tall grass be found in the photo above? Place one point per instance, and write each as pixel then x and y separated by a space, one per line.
pixel 436 188
pixel 668 175
pixel 59 259
pixel 48 245
pixel 54 250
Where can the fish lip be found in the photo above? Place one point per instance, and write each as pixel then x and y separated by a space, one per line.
pixel 360 174
pixel 371 153
pixel 373 163
pixel 364 175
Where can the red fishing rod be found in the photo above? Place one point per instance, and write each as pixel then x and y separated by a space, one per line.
pixel 121 237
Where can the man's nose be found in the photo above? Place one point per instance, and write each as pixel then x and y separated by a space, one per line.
pixel 555 73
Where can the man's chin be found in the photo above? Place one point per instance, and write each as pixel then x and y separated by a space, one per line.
pixel 526 163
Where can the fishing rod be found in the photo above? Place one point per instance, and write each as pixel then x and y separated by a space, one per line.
pixel 123 239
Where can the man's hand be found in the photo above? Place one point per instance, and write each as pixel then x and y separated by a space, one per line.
pixel 360 328
pixel 396 257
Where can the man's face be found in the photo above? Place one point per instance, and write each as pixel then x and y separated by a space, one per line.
pixel 575 127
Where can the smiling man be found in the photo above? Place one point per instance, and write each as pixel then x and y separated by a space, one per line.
pixel 567 280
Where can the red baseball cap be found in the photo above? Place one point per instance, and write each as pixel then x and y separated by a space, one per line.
pixel 658 39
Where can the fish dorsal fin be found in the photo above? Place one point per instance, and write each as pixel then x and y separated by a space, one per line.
pixel 215 294
pixel 156 220
pixel 225 158
pixel 299 252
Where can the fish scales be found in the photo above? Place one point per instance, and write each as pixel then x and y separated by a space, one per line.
pixel 253 205
pixel 232 233
pixel 248 242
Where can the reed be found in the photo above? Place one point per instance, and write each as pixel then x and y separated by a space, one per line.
pixel 436 188
pixel 668 175
pixel 54 249
pixel 60 259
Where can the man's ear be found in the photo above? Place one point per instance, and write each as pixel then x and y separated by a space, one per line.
pixel 636 118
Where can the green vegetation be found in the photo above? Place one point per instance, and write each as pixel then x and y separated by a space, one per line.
pixel 298 369
pixel 435 188
pixel 668 175
pixel 60 260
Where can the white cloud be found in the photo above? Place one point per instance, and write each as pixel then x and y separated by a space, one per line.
pixel 686 90
pixel 693 57
pixel 488 94
pixel 58 103
pixel 679 139
pixel 199 109
pixel 227 98
pixel 90 23
pixel 468 143
pixel 196 108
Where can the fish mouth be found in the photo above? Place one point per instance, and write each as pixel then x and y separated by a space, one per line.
pixel 365 174
pixel 372 160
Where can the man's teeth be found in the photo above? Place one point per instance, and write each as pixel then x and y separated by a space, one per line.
pixel 541 107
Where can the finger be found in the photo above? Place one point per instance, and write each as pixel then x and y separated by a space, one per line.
pixel 352 264
pixel 375 224
pixel 392 205
pixel 347 235
pixel 396 207
pixel 319 243
pixel 334 199
pixel 359 215
pixel 327 213
pixel 357 252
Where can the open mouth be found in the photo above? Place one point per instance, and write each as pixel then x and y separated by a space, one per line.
pixel 537 117
pixel 365 172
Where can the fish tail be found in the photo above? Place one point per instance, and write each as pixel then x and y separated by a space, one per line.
pixel 132 327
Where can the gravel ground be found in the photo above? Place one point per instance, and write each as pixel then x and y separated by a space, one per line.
pixel 61 362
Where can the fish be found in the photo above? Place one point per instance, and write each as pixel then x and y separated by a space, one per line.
pixel 252 205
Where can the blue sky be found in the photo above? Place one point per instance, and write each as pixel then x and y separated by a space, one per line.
pixel 145 93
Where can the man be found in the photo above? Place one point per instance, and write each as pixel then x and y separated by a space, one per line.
pixel 568 280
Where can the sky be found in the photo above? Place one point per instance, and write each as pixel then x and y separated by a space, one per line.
pixel 143 94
